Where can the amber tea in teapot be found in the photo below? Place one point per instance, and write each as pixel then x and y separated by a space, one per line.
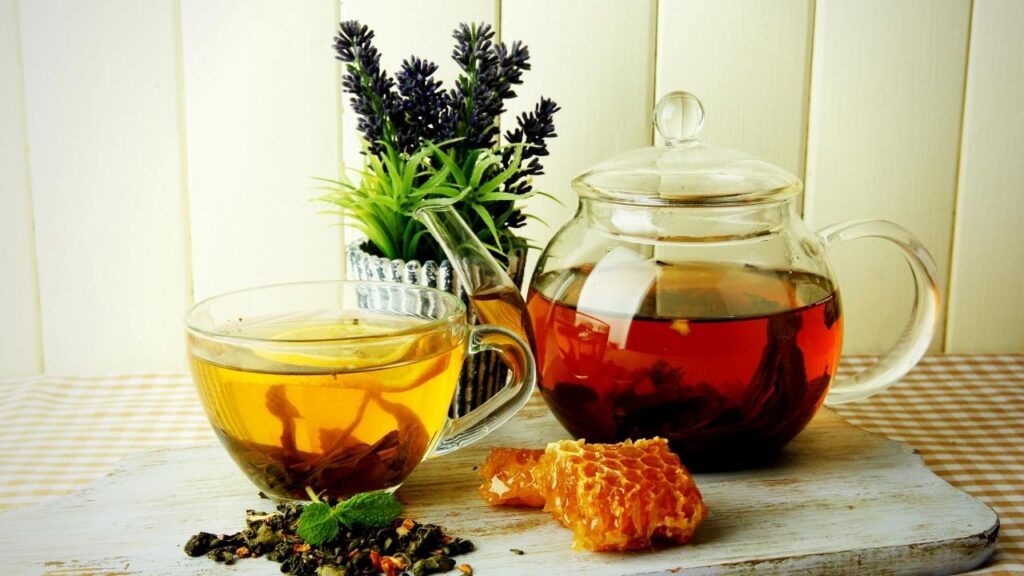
pixel 727 362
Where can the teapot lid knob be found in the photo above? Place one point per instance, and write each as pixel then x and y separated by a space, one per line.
pixel 678 116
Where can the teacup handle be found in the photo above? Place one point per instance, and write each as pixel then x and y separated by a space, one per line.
pixel 917 335
pixel 487 417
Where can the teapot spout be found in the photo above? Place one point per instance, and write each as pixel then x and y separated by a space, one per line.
pixel 493 295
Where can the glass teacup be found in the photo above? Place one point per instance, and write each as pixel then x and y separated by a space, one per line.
pixel 343 387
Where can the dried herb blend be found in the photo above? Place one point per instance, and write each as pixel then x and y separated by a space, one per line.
pixel 402 546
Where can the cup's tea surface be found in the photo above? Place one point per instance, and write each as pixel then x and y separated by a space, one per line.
pixel 321 403
pixel 727 362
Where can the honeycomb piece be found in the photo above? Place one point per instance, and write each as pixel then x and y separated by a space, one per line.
pixel 613 496
pixel 510 478
pixel 620 496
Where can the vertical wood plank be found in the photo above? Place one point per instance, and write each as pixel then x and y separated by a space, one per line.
pixel 261 122
pixel 20 345
pixel 423 28
pixel 986 304
pixel 749 63
pixel 102 113
pixel 886 99
pixel 595 58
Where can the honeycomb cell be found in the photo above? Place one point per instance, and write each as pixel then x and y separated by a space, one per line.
pixel 612 496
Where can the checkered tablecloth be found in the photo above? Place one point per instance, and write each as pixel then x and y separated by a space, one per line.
pixel 965 414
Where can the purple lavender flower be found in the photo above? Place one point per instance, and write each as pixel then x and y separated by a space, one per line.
pixel 424 106
pixel 478 105
pixel 534 129
pixel 512 61
pixel 373 92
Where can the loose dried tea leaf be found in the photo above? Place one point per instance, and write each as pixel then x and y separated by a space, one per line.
pixel 400 546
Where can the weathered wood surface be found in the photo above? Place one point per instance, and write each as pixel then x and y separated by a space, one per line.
pixel 839 501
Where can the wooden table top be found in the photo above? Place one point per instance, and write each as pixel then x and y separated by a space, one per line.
pixel 963 414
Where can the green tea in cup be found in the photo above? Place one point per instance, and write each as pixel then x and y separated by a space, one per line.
pixel 342 387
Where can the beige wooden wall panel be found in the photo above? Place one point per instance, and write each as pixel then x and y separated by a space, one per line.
pixel 20 344
pixel 102 113
pixel 261 121
pixel 884 135
pixel 423 28
pixel 595 58
pixel 749 62
pixel 986 306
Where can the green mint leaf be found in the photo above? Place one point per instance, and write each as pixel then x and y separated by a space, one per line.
pixel 318 524
pixel 370 509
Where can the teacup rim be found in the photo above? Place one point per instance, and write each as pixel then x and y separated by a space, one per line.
pixel 431 325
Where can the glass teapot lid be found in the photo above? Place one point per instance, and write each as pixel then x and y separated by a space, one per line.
pixel 685 170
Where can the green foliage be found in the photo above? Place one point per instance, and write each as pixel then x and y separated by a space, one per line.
pixel 369 509
pixel 393 186
pixel 317 523
pixel 320 523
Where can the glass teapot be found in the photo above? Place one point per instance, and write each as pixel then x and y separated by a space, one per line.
pixel 687 299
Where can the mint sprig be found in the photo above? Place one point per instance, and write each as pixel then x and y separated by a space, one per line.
pixel 320 522
pixel 369 509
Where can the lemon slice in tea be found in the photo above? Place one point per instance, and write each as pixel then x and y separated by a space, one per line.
pixel 337 350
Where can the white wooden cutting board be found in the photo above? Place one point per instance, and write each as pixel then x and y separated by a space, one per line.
pixel 838 501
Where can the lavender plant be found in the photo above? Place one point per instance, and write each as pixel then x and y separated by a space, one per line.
pixel 427 145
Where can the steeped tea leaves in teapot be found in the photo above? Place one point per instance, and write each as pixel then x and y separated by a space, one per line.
pixel 727 362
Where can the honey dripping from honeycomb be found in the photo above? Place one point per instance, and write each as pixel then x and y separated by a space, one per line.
pixel 612 496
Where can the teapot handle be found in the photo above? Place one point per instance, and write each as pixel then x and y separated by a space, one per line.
pixel 914 340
